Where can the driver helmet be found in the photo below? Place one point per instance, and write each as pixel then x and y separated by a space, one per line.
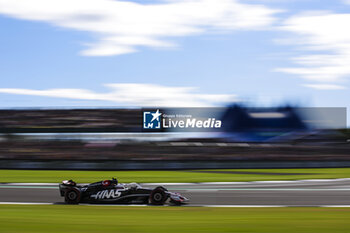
pixel 114 181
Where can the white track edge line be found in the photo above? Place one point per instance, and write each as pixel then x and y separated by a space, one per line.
pixel 220 206
pixel 215 183
pixel 25 203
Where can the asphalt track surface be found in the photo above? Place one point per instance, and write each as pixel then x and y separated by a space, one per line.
pixel 272 193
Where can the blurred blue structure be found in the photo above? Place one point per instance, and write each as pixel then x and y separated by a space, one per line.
pixel 261 124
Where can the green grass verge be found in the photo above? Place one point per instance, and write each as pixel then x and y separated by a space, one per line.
pixel 25 218
pixel 47 176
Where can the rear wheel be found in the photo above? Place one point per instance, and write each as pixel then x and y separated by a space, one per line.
pixel 158 196
pixel 72 196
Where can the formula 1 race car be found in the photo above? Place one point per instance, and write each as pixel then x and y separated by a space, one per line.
pixel 110 192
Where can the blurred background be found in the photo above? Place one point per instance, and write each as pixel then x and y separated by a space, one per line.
pixel 113 139
pixel 75 76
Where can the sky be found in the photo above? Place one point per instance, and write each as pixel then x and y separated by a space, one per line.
pixel 188 53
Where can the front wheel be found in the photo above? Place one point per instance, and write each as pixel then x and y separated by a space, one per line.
pixel 158 196
pixel 72 196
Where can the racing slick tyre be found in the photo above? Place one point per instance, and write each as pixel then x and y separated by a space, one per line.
pixel 72 196
pixel 158 196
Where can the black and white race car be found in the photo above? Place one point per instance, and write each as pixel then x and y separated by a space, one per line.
pixel 111 192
